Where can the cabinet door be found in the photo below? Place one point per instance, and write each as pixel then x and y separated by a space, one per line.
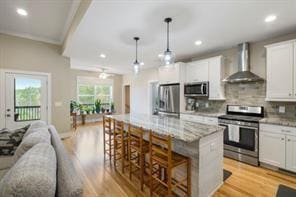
pixel 272 149
pixel 216 89
pixel 280 71
pixel 169 74
pixel 291 153
pixel 197 71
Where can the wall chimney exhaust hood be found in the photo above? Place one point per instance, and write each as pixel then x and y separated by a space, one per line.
pixel 244 74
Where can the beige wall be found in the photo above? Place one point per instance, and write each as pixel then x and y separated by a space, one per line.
pixel 28 55
pixel 139 91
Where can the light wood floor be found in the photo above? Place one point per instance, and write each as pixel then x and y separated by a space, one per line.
pixel 86 150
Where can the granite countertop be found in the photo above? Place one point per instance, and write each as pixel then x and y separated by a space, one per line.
pixel 279 121
pixel 207 114
pixel 178 129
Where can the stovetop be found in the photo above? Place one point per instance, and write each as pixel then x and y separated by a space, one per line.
pixel 241 118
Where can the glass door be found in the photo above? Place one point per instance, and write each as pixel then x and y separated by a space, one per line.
pixel 25 99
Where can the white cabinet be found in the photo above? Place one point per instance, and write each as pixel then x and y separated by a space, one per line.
pixel 216 74
pixel 199 119
pixel 291 153
pixel 277 146
pixel 281 71
pixel 197 71
pixel 272 149
pixel 172 73
pixel 211 70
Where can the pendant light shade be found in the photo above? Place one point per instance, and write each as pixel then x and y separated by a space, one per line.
pixel 136 65
pixel 168 56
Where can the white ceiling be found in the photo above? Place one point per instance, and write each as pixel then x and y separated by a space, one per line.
pixel 109 26
pixel 47 20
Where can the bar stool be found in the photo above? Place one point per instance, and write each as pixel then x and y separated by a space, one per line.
pixel 120 144
pixel 108 138
pixel 137 149
pixel 163 159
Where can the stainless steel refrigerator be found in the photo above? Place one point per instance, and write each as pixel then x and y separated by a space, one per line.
pixel 169 99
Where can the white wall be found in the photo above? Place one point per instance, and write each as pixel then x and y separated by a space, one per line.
pixel 139 87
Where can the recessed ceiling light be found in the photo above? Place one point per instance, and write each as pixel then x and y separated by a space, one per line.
pixel 142 63
pixel 198 42
pixel 22 12
pixel 102 55
pixel 270 18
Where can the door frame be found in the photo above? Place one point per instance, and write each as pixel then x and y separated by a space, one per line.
pixel 3 72
pixel 150 82
pixel 123 97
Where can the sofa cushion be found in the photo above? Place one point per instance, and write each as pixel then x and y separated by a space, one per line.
pixel 6 162
pixel 69 183
pixel 10 140
pixel 33 175
pixel 40 136
pixel 35 126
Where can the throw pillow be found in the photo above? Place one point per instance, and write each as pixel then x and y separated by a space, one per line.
pixel 10 140
pixel 33 175
pixel 40 136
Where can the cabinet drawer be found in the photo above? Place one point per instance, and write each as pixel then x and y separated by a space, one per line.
pixel 278 129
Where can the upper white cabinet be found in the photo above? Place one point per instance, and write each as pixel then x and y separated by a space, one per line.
pixel 211 70
pixel 197 71
pixel 216 75
pixel 281 71
pixel 172 73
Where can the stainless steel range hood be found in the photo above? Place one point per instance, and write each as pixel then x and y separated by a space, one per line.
pixel 244 74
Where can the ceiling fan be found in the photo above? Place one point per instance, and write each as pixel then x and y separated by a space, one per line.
pixel 104 75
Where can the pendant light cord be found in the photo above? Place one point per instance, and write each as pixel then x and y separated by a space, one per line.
pixel 168 40
pixel 136 50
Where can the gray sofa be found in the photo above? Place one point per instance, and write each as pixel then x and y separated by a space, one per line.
pixel 40 166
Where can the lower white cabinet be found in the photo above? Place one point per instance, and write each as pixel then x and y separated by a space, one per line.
pixel 277 146
pixel 291 153
pixel 272 149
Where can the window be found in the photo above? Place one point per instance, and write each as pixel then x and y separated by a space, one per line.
pixel 92 89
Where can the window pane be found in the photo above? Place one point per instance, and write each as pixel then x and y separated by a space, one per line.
pixel 27 99
pixel 104 99
pixel 103 89
pixel 86 99
pixel 86 90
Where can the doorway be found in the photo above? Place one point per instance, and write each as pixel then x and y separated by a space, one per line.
pixel 25 99
pixel 127 99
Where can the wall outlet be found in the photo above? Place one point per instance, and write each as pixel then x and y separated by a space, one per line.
pixel 282 109
pixel 207 105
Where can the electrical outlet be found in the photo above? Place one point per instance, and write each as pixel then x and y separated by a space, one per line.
pixel 196 104
pixel 207 105
pixel 282 109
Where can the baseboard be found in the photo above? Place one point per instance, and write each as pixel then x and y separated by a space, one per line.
pixel 65 135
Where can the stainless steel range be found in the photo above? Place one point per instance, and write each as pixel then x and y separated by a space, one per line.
pixel 241 134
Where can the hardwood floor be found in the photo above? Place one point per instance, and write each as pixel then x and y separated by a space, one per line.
pixel 86 150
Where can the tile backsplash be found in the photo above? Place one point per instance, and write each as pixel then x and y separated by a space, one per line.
pixel 252 94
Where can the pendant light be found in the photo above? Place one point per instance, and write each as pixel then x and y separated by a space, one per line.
pixel 168 56
pixel 136 63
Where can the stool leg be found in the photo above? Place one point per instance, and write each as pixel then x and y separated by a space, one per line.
pixel 110 148
pixel 169 182
pixel 104 141
pixel 122 155
pixel 142 160
pixel 189 178
pixel 114 152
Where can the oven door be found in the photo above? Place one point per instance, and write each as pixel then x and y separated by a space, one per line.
pixel 241 139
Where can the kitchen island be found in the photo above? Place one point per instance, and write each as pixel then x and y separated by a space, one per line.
pixel 201 142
